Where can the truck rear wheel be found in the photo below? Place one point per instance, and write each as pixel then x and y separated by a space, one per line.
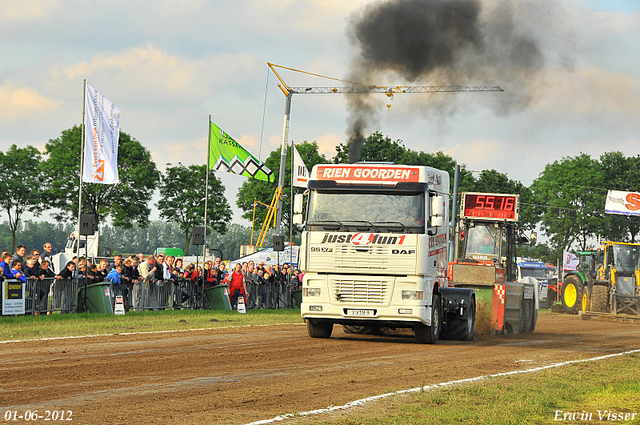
pixel 461 329
pixel 600 299
pixel 571 294
pixel 319 329
pixel 430 334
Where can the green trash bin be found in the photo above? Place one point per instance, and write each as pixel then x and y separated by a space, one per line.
pixel 98 297
pixel 297 297
pixel 218 297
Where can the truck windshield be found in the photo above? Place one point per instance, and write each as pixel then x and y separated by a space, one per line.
pixel 372 209
pixel 540 274
pixel 483 241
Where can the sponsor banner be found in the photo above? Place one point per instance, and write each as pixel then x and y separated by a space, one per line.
pixel 300 172
pixel 13 296
pixel 619 202
pixel 102 131
pixel 368 173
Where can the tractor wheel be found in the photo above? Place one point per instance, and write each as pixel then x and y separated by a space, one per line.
pixel 571 294
pixel 461 329
pixel 528 310
pixel 319 329
pixel 586 299
pixel 430 334
pixel 600 299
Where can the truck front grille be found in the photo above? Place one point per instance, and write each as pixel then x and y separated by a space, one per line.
pixel 360 291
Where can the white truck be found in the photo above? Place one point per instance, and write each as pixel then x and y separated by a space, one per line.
pixel 86 245
pixel 374 252
pixel 537 269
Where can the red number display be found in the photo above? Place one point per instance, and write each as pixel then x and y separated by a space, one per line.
pixel 494 206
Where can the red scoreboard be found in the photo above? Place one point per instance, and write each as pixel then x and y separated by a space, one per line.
pixel 490 206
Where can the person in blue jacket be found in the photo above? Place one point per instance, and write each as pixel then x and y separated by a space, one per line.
pixel 5 264
pixel 16 271
pixel 115 274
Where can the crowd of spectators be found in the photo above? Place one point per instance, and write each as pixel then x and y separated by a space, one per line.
pixel 261 286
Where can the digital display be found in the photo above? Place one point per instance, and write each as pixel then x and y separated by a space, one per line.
pixel 490 206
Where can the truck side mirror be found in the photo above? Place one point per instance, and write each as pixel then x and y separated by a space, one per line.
pixel 437 206
pixel 297 204
pixel 297 219
pixel 437 221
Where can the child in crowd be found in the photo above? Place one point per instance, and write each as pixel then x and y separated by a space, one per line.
pixel 115 274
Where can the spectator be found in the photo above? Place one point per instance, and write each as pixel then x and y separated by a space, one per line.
pixel 117 260
pixel 179 270
pixel 260 266
pixel 45 270
pixel 127 271
pixel 101 273
pixel 30 272
pixel 19 254
pixel 295 279
pixel 16 271
pixel 115 275
pixel 47 255
pixel 6 265
pixel 158 273
pixel 237 286
pixel 141 258
pixel 148 268
pixel 67 272
pixel 209 276
pixel 135 271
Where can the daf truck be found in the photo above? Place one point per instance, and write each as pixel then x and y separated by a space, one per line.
pixel 374 252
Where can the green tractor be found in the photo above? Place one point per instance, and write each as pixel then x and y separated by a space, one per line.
pixel 574 282
pixel 607 281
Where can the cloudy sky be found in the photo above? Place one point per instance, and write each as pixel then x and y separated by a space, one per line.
pixel 169 64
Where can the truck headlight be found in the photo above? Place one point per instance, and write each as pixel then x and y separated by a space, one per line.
pixel 412 295
pixel 311 292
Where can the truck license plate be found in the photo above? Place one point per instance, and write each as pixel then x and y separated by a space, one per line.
pixel 351 312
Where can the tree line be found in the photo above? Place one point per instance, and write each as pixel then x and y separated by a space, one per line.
pixel 566 200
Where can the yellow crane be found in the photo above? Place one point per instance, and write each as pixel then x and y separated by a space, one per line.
pixel 275 209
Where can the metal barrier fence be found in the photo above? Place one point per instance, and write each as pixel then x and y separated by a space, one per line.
pixel 49 295
pixel 61 295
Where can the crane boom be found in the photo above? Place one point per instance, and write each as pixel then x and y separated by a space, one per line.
pixel 389 91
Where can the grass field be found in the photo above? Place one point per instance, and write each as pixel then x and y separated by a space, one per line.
pixel 606 391
pixel 60 325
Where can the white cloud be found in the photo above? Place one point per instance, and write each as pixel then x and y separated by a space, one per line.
pixel 18 102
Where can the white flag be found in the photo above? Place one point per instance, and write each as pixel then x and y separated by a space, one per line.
pixel 300 172
pixel 570 261
pixel 102 130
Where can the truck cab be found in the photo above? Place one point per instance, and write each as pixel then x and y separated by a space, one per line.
pixel 374 251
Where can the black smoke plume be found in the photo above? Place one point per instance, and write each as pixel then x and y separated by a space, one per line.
pixel 447 42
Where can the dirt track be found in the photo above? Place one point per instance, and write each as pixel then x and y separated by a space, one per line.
pixel 242 375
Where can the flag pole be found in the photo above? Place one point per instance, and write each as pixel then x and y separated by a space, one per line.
pixel 84 103
pixel 206 190
pixel 291 211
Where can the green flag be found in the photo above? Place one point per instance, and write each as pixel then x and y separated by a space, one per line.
pixel 228 155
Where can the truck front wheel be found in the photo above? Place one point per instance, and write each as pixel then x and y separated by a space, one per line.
pixel 430 334
pixel 319 329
